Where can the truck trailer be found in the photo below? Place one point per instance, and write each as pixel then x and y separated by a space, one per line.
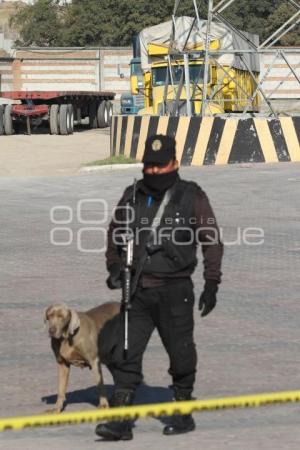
pixel 59 109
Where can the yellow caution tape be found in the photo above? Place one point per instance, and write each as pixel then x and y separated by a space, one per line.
pixel 153 410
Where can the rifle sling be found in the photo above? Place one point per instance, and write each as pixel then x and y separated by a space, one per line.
pixel 154 225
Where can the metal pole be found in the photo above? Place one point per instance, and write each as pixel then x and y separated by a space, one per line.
pixel 172 36
pixel 221 2
pixel 250 100
pixel 290 66
pixel 187 84
pixel 100 71
pixel 236 30
pixel 175 108
pixel 283 33
pixel 173 33
pixel 252 51
pixel 222 8
pixel 206 57
pixel 176 5
pixel 28 125
pixel 296 5
pixel 279 30
pixel 198 19
pixel 166 90
pixel 258 86
pixel 170 68
pixel 189 33
pixel 267 73
pixel 196 85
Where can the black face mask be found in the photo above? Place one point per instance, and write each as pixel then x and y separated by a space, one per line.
pixel 160 182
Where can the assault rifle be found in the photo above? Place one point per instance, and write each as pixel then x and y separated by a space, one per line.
pixel 127 271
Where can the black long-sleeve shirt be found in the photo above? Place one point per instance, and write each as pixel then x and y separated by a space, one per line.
pixel 203 223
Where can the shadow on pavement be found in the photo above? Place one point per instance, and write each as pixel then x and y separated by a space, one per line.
pixel 144 395
pixel 21 128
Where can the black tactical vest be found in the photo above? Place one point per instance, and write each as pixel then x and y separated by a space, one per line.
pixel 174 247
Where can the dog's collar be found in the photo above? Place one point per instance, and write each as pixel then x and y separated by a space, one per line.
pixel 75 332
pixel 70 336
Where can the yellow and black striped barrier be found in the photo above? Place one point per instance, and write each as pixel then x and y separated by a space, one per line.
pixel 153 410
pixel 211 140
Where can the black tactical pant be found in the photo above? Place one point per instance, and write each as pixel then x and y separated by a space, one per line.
pixel 169 308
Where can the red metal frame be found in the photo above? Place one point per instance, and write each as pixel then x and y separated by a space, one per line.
pixel 30 110
pixel 49 95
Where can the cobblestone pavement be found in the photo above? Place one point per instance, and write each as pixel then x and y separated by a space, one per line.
pixel 249 344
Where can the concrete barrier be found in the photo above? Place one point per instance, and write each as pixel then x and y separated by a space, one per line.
pixel 212 140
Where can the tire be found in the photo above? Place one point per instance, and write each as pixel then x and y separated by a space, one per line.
pixel 54 119
pixel 70 119
pixel 64 119
pixel 110 111
pixel 93 115
pixel 1 120
pixel 102 115
pixel 8 120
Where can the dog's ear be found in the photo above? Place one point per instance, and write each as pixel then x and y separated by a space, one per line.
pixel 74 323
pixel 46 311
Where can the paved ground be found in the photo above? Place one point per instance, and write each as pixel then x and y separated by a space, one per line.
pixel 43 155
pixel 249 344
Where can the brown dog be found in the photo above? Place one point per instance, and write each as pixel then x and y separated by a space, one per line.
pixel 74 342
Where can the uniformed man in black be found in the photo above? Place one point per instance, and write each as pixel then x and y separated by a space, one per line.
pixel 164 297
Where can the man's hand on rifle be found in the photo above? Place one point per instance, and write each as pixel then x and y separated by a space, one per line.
pixel 114 280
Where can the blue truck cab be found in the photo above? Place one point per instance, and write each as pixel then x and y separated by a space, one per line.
pixel 133 101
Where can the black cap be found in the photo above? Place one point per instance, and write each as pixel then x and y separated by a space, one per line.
pixel 159 149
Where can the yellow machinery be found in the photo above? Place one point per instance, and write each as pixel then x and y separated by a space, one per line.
pixel 230 87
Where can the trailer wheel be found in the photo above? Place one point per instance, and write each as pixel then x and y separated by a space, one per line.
pixel 110 112
pixel 1 120
pixel 93 115
pixel 102 115
pixel 8 120
pixel 70 119
pixel 54 119
pixel 64 119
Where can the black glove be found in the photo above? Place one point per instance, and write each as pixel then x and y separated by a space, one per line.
pixel 208 299
pixel 114 280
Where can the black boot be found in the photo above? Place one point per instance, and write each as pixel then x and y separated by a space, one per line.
pixel 117 430
pixel 180 423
